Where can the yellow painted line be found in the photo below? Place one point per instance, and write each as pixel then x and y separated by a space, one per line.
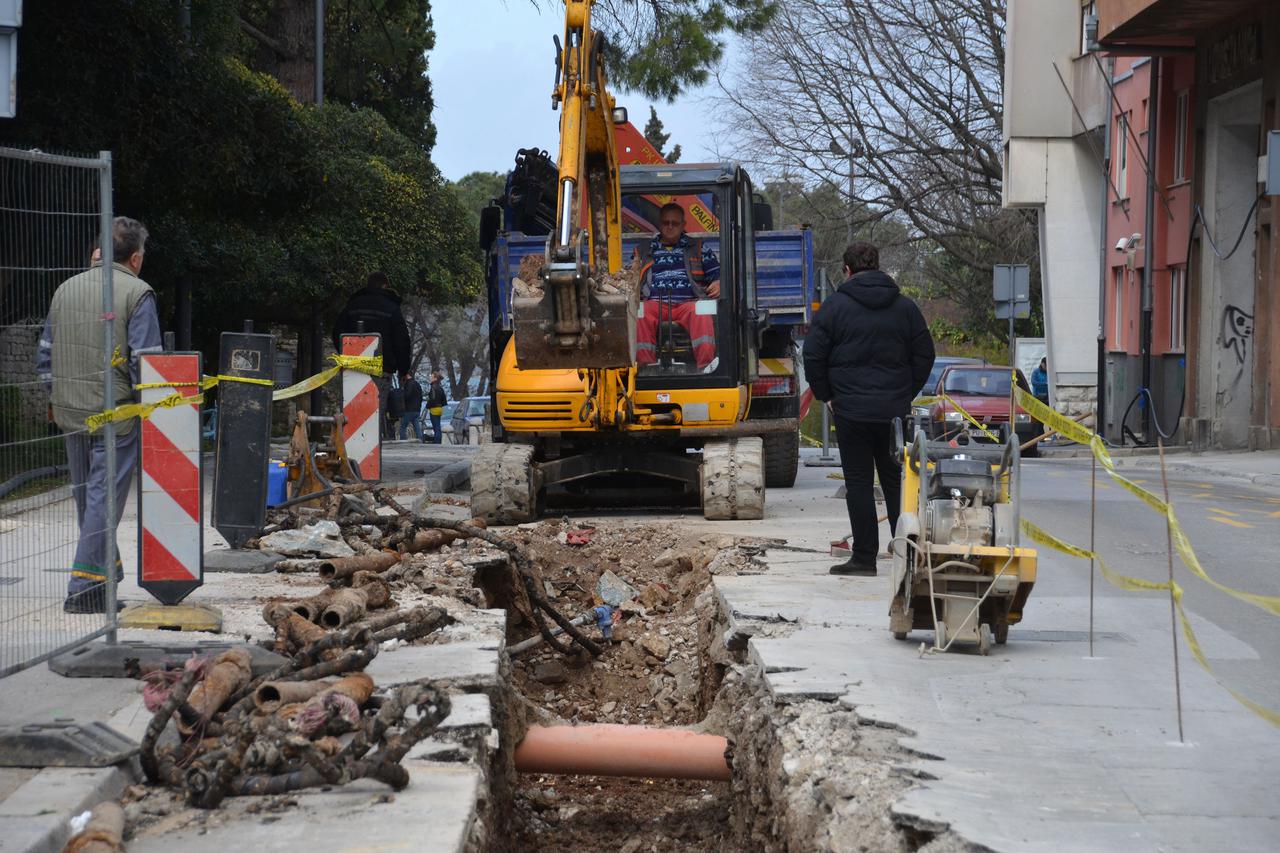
pixel 1230 521
pixel 1275 514
pixel 1203 495
pixel 1139 482
pixel 1203 485
pixel 1223 512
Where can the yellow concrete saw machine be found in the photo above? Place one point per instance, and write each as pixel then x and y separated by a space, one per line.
pixel 958 566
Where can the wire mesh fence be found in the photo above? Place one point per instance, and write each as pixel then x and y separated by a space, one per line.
pixel 53 212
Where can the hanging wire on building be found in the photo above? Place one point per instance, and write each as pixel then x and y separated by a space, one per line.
pixel 1197 218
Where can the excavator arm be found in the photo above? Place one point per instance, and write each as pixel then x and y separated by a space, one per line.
pixel 574 320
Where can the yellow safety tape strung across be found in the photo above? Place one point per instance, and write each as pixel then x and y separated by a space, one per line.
pixel 362 363
pixel 1181 544
pixel 370 364
pixel 1047 539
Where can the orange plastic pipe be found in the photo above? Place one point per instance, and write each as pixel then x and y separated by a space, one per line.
pixel 613 750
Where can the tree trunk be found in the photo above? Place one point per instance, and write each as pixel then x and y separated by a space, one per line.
pixel 292 26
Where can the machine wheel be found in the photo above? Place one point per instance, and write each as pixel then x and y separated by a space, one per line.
pixel 733 481
pixel 504 488
pixel 1002 633
pixel 984 639
pixel 781 459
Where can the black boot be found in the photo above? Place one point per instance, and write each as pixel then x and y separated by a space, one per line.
pixel 853 566
pixel 91 600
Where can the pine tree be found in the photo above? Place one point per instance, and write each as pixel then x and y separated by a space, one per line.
pixel 653 131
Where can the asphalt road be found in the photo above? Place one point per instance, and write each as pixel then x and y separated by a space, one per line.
pixel 1233 526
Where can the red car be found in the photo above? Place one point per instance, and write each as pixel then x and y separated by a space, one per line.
pixel 983 392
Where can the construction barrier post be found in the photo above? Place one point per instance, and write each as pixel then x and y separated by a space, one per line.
pixel 170 516
pixel 362 432
pixel 245 383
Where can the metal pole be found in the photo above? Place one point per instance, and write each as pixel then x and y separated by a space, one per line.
pixel 1013 357
pixel 319 51
pixel 849 224
pixel 317 356
pixel 1173 602
pixel 823 287
pixel 1093 526
pixel 107 247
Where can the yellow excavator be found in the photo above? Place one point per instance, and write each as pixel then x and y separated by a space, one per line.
pixel 595 404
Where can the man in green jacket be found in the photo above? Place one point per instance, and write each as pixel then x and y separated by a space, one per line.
pixel 70 359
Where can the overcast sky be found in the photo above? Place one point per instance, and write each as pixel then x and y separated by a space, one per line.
pixel 491 73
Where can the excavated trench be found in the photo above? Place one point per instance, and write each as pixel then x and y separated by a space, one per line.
pixel 654 673
pixel 671 664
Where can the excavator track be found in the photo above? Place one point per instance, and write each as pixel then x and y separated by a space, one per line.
pixel 504 483
pixel 733 482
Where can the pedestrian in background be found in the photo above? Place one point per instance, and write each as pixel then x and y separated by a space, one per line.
pixel 1040 384
pixel 436 401
pixel 412 406
pixel 395 408
pixel 868 352
pixel 376 309
pixel 69 360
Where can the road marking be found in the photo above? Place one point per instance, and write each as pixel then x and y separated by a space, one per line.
pixel 1203 495
pixel 1224 512
pixel 1203 485
pixel 1230 521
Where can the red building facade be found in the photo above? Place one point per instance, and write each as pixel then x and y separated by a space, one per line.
pixel 1192 297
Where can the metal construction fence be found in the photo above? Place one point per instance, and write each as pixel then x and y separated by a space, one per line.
pixel 54 211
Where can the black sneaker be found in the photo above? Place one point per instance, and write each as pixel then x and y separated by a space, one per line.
pixel 93 600
pixel 853 567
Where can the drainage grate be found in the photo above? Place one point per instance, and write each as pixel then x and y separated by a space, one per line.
pixel 6 580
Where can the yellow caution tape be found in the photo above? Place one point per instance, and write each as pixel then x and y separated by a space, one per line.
pixel 371 365
pixel 1181 544
pixel 1126 582
pixel 138 410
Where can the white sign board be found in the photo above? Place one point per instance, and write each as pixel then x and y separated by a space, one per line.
pixel 1027 355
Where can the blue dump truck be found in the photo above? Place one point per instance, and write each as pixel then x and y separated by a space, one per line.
pixel 757 326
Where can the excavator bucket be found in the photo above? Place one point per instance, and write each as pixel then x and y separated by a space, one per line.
pixel 573 324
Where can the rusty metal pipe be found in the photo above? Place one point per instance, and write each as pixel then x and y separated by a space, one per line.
pixel 613 750
pixel 346 567
pixel 377 590
pixel 230 672
pixel 270 696
pixel 347 606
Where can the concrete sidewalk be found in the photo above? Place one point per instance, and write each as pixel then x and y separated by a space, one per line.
pixel 443 796
pixel 1260 467
pixel 1037 747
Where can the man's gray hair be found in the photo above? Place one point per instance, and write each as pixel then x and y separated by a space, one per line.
pixel 127 236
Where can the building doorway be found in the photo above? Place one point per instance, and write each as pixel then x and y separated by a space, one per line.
pixel 1227 307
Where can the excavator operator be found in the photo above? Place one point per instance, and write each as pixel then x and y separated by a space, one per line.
pixel 679 273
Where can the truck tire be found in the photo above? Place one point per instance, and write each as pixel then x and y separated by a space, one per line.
pixel 781 459
pixel 732 479
pixel 504 483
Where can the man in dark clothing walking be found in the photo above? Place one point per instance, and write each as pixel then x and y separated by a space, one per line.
pixel 378 308
pixel 436 401
pixel 867 353
pixel 412 406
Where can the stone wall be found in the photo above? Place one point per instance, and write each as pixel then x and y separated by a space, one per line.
pixel 18 370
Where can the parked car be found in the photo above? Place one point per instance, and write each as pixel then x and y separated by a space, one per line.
pixel 983 392
pixel 470 420
pixel 920 412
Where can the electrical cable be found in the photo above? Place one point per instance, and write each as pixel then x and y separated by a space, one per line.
pixel 1196 219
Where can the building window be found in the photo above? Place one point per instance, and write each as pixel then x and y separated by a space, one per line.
pixel 1088 26
pixel 1117 310
pixel 1177 319
pixel 1122 155
pixel 1180 137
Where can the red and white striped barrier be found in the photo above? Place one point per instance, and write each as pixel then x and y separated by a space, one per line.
pixel 171 531
pixel 362 432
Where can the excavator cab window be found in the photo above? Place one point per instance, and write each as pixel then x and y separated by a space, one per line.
pixel 672 244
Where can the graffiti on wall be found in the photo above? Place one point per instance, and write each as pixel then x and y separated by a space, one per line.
pixel 1234 335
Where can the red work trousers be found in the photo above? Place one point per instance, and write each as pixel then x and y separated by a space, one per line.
pixel 701 329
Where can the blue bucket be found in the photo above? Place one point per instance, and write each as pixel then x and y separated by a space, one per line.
pixel 277 483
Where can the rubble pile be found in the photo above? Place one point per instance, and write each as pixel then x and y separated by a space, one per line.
pixel 528 278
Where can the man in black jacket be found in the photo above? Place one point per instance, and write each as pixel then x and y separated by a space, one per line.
pixel 378 307
pixel 867 353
